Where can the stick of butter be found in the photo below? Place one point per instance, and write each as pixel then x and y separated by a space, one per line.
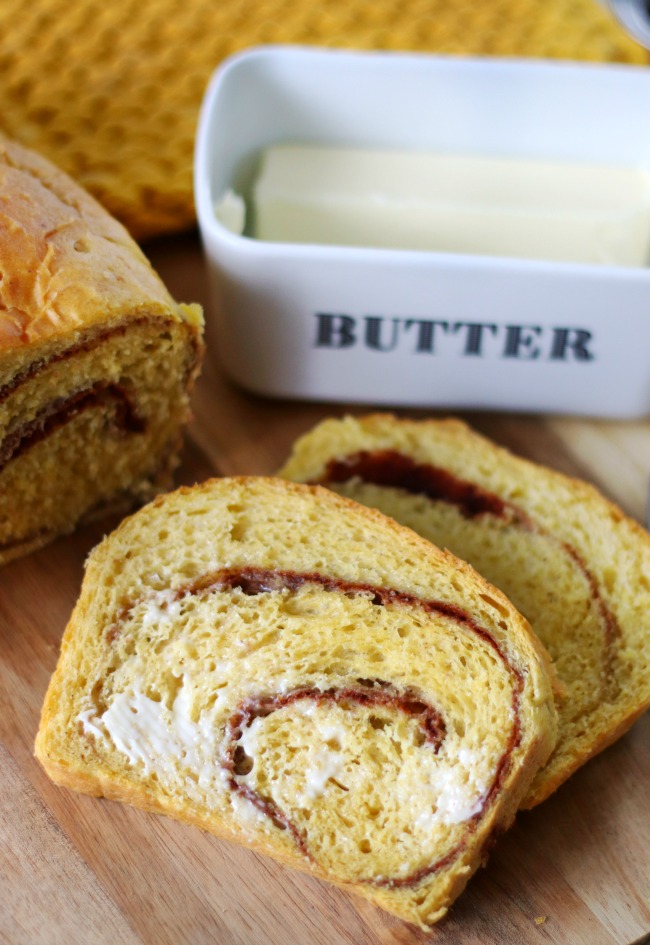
pixel 454 204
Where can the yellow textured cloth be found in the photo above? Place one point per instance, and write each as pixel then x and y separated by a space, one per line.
pixel 110 89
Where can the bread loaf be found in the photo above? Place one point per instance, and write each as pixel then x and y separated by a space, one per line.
pixel 96 359
pixel 569 560
pixel 293 671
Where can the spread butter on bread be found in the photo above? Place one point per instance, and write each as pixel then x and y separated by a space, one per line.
pixel 301 674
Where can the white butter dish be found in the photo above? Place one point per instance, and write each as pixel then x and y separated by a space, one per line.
pixel 413 327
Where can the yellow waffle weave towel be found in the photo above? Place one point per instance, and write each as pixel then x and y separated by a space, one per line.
pixel 110 89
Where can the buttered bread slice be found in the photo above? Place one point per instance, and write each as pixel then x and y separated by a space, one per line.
pixel 569 560
pixel 97 361
pixel 296 672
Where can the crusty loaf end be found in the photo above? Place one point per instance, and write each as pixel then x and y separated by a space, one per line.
pixel 97 361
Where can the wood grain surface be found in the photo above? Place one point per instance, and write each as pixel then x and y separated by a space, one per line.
pixel 80 871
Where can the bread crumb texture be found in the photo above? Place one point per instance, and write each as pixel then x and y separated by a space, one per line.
pixel 298 673
pixel 111 91
pixel 571 562
pixel 97 361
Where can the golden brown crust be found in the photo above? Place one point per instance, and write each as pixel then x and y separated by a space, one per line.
pixel 88 337
pixel 66 263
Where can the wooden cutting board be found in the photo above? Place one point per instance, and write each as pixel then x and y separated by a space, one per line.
pixel 81 871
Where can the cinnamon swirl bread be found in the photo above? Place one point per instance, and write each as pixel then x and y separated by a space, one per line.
pixel 96 359
pixel 568 559
pixel 293 671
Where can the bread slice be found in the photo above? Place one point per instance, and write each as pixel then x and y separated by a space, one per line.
pixel 293 671
pixel 96 359
pixel 568 559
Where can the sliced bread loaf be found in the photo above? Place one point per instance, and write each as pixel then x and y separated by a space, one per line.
pixel 570 561
pixel 97 361
pixel 296 672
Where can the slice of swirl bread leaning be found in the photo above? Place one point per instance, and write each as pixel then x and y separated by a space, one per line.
pixel 296 672
pixel 96 359
pixel 568 559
